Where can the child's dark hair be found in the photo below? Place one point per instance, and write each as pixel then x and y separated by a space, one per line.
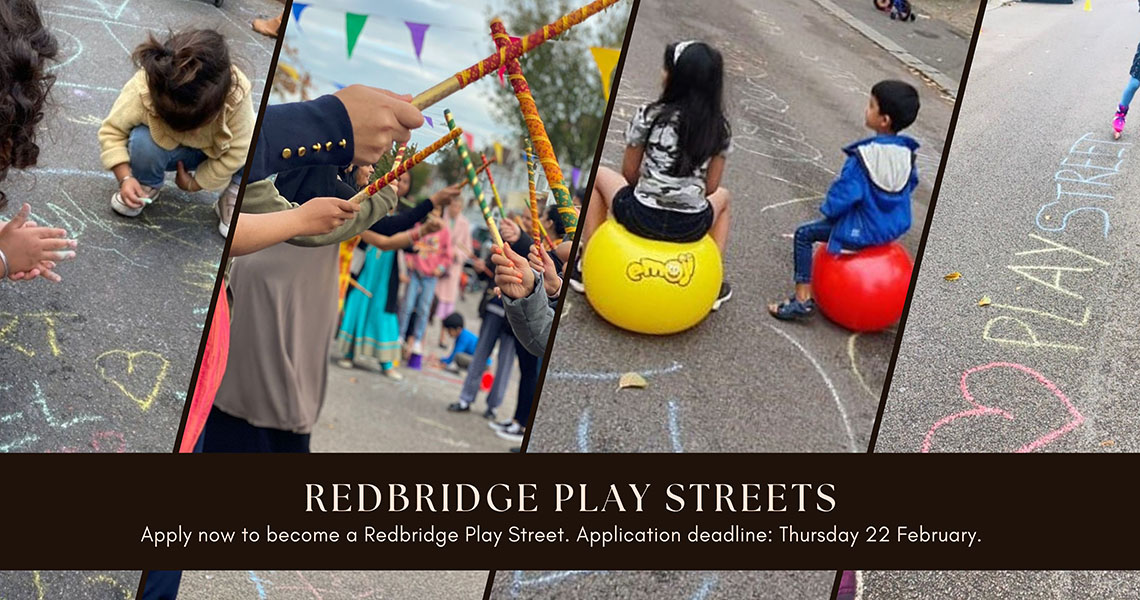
pixel 559 229
pixel 25 46
pixel 453 321
pixel 189 76
pixel 694 91
pixel 897 100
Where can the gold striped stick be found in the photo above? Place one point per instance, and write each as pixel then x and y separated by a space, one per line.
pixel 473 179
pixel 405 166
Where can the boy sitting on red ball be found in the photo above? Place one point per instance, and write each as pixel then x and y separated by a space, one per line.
pixel 869 203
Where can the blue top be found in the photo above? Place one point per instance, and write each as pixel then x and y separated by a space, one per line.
pixel 869 203
pixel 464 344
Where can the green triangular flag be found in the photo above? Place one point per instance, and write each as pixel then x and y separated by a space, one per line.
pixel 353 25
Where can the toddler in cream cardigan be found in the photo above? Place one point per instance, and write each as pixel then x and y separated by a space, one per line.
pixel 187 110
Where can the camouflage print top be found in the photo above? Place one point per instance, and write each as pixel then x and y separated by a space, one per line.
pixel 656 188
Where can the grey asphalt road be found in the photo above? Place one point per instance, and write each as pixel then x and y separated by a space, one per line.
pixel 1006 585
pixel 663 585
pixel 1035 212
pixel 102 361
pixel 797 83
pixel 365 411
pixel 69 585
pixel 332 585
pixel 937 36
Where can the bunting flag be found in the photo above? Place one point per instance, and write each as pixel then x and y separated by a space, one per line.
pixel 298 8
pixel 418 30
pixel 427 120
pixel 498 153
pixel 470 139
pixel 575 172
pixel 607 59
pixel 353 25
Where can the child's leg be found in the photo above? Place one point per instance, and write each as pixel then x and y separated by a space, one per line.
pixel 505 363
pixel 721 201
pixel 150 162
pixel 423 310
pixel 411 293
pixel 607 183
pixel 1130 91
pixel 803 245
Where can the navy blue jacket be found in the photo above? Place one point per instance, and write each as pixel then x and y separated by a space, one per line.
pixel 869 203
pixel 302 134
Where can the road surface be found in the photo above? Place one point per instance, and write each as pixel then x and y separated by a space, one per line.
pixel 994 585
pixel 332 585
pixel 663 585
pixel 69 585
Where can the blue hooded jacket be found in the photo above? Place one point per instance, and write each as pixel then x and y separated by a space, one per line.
pixel 869 204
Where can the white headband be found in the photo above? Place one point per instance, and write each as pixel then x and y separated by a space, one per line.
pixel 680 48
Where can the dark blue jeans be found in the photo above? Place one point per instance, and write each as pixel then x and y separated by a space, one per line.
pixel 161 585
pixel 806 236
pixel 150 162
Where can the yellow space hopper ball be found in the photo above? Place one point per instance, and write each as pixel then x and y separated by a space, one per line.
pixel 649 286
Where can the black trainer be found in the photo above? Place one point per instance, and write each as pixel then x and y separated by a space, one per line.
pixel 458 407
pixel 724 296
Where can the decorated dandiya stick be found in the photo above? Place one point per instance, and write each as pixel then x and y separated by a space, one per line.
pixel 537 133
pixel 405 166
pixel 356 284
pixel 508 52
pixel 494 190
pixel 477 171
pixel 536 225
pixel 473 179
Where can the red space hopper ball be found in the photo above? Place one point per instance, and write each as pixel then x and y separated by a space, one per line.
pixel 864 290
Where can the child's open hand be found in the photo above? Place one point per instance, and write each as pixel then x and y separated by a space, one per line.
pixel 513 274
pixel 184 180
pixel 541 262
pixel 510 231
pixel 32 251
pixel 130 190
pixel 323 215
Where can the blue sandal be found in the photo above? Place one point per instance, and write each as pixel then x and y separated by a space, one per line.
pixel 793 310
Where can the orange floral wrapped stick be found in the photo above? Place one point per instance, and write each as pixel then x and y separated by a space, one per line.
pixel 537 132
pixel 405 166
pixel 494 190
pixel 507 53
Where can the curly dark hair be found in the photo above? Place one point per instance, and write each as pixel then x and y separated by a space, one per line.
pixel 25 47
pixel 189 75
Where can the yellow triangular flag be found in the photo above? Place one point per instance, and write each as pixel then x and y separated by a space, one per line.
pixel 607 59
pixel 1088 5
pixel 498 153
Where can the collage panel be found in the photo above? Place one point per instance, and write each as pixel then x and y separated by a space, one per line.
pixel 101 360
pixel 985 585
pixel 664 585
pixel 312 585
pixel 797 81
pixel 69 585
pixel 386 330
pixel 1019 334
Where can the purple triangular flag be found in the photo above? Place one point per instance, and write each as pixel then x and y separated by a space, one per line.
pixel 429 122
pixel 574 174
pixel 418 30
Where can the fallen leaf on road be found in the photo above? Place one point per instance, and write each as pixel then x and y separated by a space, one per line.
pixel 632 380
pixel 1108 443
pixel 985 301
pixel 955 276
pixel 352 380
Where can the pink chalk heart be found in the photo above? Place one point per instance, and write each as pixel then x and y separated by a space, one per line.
pixel 1076 419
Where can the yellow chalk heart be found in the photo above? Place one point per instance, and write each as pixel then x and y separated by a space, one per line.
pixel 132 358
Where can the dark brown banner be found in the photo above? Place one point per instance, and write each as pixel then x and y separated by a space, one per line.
pixel 479 511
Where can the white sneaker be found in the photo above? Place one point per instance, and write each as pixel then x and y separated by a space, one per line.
pixel 224 208
pixel 512 433
pixel 121 207
pixel 393 374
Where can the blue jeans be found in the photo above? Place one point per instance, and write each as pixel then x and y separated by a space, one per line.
pixel 495 328
pixel 1130 91
pixel 150 162
pixel 417 299
pixel 806 236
